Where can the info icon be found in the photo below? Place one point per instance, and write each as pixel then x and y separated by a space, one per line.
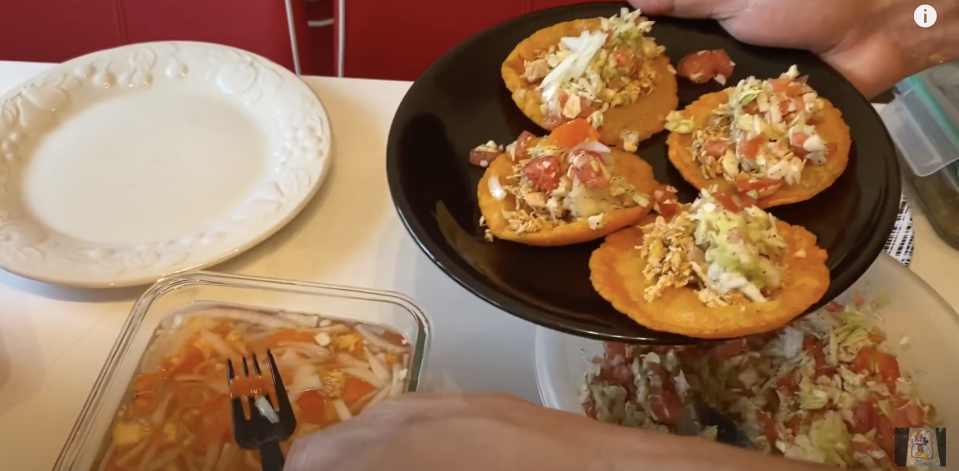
pixel 925 16
pixel 920 446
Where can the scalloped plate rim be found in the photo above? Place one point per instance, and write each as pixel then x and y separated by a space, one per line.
pixel 319 169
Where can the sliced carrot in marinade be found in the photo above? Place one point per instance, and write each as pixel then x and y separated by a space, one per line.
pixel 356 389
pixel 289 335
pixel 312 408
pixel 188 359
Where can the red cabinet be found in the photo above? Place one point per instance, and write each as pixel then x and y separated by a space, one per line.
pixel 399 40
pixel 255 25
pixel 58 30
pixel 376 38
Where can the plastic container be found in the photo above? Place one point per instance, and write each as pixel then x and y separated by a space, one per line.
pixel 923 120
pixel 201 289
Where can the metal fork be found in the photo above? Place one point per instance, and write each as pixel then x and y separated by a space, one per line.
pixel 258 433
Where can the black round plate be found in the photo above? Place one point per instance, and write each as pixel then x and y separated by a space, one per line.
pixel 461 102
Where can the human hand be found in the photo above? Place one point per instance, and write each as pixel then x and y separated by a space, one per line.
pixel 483 432
pixel 873 43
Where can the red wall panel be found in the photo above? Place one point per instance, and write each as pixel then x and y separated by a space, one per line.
pixel 57 30
pixel 258 26
pixel 399 40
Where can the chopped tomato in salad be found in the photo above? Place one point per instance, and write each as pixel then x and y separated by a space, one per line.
pixel 178 411
pixel 565 177
pixel 816 390
pixel 764 133
pixel 703 66
pixel 584 76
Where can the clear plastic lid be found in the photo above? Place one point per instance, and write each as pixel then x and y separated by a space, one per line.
pixel 923 120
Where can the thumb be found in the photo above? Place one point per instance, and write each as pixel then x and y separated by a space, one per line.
pixel 716 9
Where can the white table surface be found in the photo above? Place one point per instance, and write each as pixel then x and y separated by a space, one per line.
pixel 54 340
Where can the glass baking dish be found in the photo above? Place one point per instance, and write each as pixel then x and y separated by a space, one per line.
pixel 201 289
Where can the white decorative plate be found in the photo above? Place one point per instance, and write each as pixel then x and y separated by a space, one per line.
pixel 127 165
pixel 915 311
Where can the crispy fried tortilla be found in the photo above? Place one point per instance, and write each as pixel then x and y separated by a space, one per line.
pixel 647 115
pixel 616 271
pixel 815 178
pixel 628 165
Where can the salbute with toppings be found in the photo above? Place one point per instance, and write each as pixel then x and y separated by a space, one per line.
pixel 562 189
pixel 717 268
pixel 826 389
pixel 775 140
pixel 585 69
pixel 730 255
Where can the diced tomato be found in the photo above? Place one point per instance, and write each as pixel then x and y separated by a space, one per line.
pixel 859 299
pixel 667 203
pixel 522 143
pixel 666 407
pixel 751 107
pixel 734 202
pixel 752 146
pixel 356 389
pixel 796 104
pixel 791 88
pixel 789 383
pixel 727 350
pixel 293 335
pixel 833 306
pixel 703 66
pixel 312 408
pixel 544 172
pixel 716 147
pixel 572 133
pixel 482 158
pixel 625 61
pixel 796 141
pixel 614 349
pixel 885 434
pixel 871 361
pixel 657 369
pixel 621 374
pixel 863 418
pixel 763 186
pixel 248 386
pixel 769 426
pixel 552 121
pixel 667 209
pixel 588 168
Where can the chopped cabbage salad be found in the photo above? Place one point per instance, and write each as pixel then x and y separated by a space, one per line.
pixel 826 388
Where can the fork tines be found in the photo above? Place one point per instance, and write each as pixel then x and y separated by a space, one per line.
pixel 258 429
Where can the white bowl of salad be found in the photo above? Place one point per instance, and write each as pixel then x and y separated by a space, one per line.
pixel 830 387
